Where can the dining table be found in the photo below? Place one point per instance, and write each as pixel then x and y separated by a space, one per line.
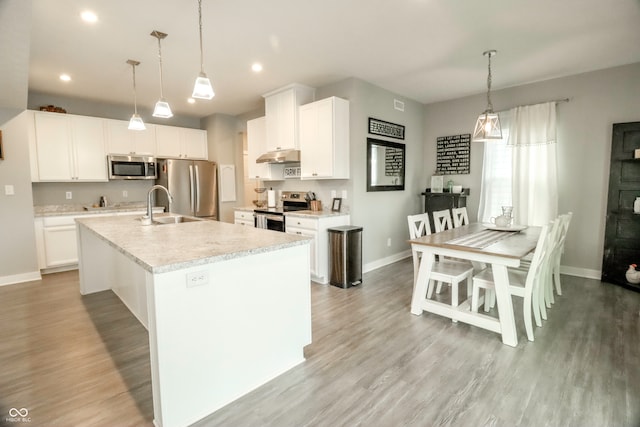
pixel 497 248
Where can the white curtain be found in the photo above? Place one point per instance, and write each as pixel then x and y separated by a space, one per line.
pixel 528 153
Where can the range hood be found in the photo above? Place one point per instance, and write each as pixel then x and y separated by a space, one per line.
pixel 282 156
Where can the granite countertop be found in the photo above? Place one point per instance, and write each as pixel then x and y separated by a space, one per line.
pixel 305 213
pixel 316 214
pixel 57 210
pixel 169 247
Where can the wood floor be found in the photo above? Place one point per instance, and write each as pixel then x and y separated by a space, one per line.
pixel 84 361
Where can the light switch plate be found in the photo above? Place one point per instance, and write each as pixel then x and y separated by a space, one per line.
pixel 9 190
pixel 344 194
pixel 69 195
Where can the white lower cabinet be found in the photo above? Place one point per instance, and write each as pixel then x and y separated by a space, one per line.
pixel 316 228
pixel 56 239
pixel 243 218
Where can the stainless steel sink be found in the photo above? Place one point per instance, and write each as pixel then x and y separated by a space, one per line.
pixel 172 219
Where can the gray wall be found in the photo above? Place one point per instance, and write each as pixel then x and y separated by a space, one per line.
pixel 597 101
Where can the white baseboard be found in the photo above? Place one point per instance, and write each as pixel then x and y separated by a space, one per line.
pixel 370 266
pixel 581 272
pixel 19 278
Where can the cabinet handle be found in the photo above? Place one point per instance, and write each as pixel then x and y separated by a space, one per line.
pixel 314 174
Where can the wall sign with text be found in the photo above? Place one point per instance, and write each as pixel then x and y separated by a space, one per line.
pixel 380 127
pixel 454 154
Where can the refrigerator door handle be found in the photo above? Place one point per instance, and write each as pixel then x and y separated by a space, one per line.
pixel 196 202
pixel 192 188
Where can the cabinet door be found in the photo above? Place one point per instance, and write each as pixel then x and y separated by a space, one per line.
pixel 122 140
pixel 313 247
pixel 168 141
pixel 90 157
pixel 53 146
pixel 316 140
pixel 193 143
pixel 60 245
pixel 256 146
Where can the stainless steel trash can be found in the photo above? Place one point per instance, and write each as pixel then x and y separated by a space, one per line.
pixel 345 256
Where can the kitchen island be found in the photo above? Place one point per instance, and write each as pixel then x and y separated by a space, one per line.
pixel 227 307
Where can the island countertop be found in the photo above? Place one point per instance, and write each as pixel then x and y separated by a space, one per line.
pixel 169 247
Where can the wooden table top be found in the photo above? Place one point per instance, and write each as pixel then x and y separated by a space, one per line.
pixel 515 246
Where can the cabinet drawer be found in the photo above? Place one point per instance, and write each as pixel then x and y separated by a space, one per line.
pixel 299 222
pixel 56 221
pixel 243 215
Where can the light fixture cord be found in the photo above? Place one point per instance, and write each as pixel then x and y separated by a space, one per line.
pixel 160 61
pixel 135 100
pixel 200 27
pixel 489 104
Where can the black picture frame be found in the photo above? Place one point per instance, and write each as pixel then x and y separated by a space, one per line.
pixel 336 204
pixel 384 128
pixel 388 175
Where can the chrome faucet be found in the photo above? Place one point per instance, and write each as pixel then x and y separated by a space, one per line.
pixel 148 218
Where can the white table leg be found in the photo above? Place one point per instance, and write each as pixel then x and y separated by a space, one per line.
pixel 505 305
pixel 422 282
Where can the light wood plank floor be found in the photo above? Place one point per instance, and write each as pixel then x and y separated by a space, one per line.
pixel 84 361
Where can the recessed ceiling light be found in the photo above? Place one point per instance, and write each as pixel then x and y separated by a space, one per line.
pixel 65 77
pixel 88 16
pixel 256 67
pixel 191 101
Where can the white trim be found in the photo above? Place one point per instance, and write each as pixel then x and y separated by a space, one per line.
pixel 581 272
pixel 374 265
pixel 19 278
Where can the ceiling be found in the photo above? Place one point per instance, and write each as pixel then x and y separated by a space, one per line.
pixel 426 50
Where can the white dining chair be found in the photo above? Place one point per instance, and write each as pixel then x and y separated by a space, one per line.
pixel 460 217
pixel 566 221
pixel 443 271
pixel 442 220
pixel 522 283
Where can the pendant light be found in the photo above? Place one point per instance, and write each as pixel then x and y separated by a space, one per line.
pixel 488 123
pixel 136 122
pixel 202 89
pixel 162 108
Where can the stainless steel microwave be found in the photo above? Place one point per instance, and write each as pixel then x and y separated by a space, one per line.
pixel 132 167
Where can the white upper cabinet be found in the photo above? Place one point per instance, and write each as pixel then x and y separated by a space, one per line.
pixel 181 143
pixel 256 146
pixel 69 148
pixel 281 111
pixel 122 140
pixel 324 139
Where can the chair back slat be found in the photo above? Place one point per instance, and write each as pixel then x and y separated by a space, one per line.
pixel 418 225
pixel 460 217
pixel 442 220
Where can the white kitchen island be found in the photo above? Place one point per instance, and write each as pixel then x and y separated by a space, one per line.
pixel 227 307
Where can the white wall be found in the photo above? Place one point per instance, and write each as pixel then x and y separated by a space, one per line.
pixel 597 101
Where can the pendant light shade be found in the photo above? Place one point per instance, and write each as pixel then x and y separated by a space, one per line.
pixel 136 122
pixel 202 89
pixel 488 124
pixel 162 108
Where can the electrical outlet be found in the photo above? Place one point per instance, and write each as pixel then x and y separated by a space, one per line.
pixel 333 194
pixel 69 195
pixel 388 241
pixel 197 278
pixel 9 190
pixel 344 194
pixel 125 194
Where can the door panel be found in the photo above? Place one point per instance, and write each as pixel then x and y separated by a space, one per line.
pixel 206 189
pixel 622 233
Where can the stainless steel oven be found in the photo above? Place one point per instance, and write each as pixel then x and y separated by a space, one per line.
pixel 274 218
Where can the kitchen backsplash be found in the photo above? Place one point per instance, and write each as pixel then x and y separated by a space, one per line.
pixel 54 193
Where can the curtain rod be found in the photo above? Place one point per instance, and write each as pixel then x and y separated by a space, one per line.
pixel 557 101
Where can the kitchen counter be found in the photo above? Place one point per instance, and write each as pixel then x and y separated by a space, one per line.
pixel 184 244
pixel 71 209
pixel 227 308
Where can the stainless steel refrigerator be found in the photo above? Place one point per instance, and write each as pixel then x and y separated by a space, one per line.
pixel 193 185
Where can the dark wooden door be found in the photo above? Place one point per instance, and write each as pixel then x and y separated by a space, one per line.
pixel 622 233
